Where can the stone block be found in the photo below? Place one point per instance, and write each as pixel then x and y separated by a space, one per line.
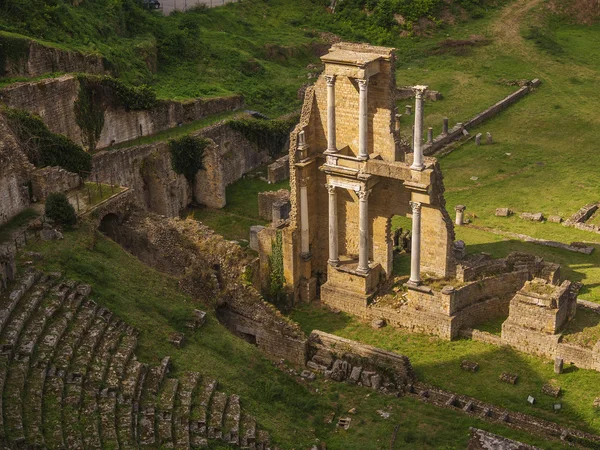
pixel 281 211
pixel 340 370
pixel 535 217
pixel 267 199
pixel 551 390
pixel 279 170
pixel 469 366
pixel 254 230
pixel 558 365
pixel 355 374
pixel 509 378
pixel 378 323
pixel 503 212
pixel 555 219
pixel 177 339
pixel 376 381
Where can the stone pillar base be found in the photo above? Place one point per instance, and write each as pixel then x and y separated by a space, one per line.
pixel 308 289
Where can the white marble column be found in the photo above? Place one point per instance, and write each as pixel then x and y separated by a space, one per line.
pixel 304 219
pixel 333 226
pixel 415 248
pixel 460 212
pixel 331 144
pixel 418 134
pixel 363 138
pixel 363 227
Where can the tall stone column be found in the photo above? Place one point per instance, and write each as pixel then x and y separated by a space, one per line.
pixel 331 144
pixel 418 134
pixel 363 227
pixel 415 247
pixel 363 138
pixel 333 226
pixel 304 219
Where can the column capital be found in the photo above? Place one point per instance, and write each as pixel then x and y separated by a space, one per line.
pixel 416 207
pixel 460 208
pixel 363 194
pixel 362 83
pixel 419 91
pixel 330 188
pixel 330 80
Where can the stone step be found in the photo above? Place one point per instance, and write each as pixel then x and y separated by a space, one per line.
pixel 72 426
pixel 3 372
pixel 47 344
pixel 9 301
pixel 102 358
pixel 216 415
pixel 52 408
pixel 121 358
pixel 164 412
pixel 48 308
pixel 90 418
pixel 199 415
pixel 147 395
pixel 231 422
pixel 75 332
pixel 263 440
pixel 183 407
pixel 23 311
pixel 248 432
pixel 32 405
pixel 154 379
pixel 87 347
pixel 13 399
pixel 128 385
pixel 107 404
pixel 125 425
pixel 146 429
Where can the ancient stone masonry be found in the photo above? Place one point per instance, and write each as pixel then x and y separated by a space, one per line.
pixel 15 170
pixel 212 269
pixel 349 177
pixel 350 174
pixel 52 179
pixel 38 59
pixel 53 100
pixel 64 358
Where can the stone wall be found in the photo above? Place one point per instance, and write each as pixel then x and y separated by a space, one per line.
pixel 267 199
pixel 8 267
pixel 41 59
pixel 148 170
pixel 52 179
pixel 484 440
pixel 14 175
pixel 53 99
pixel 279 170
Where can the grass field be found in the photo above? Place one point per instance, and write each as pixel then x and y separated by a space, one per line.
pixel 291 410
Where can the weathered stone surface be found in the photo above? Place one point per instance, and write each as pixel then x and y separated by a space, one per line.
pixel 503 212
pixel 551 390
pixel 267 200
pixel 555 219
pixel 484 440
pixel 279 170
pixel 355 374
pixel 378 323
pixel 469 366
pixel 340 370
pixel 254 230
pixel 509 378
pixel 535 217
pixel 558 365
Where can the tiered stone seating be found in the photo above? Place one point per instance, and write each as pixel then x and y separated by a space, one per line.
pixel 69 379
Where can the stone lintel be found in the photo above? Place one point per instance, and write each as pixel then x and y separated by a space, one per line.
pixel 305 162
pixel 398 171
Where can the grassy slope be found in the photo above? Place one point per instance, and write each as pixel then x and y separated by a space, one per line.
pixel 293 412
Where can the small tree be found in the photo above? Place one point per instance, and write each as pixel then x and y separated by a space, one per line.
pixel 60 210
pixel 187 155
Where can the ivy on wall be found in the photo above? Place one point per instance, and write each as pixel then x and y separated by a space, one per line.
pixel 45 148
pixel 89 113
pixel 187 155
pixel 12 50
pixel 269 134
pixel 277 279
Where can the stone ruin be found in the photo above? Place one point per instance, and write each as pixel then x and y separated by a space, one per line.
pixel 350 173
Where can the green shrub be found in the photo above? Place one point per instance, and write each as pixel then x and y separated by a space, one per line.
pixel 44 148
pixel 60 210
pixel 187 155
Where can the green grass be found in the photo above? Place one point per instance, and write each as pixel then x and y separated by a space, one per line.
pixel 438 362
pixel 493 326
pixel 15 223
pixel 241 212
pixel 291 410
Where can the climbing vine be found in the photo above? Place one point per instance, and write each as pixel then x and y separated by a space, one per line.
pixel 12 49
pixel 268 134
pixel 187 155
pixel 277 280
pixel 45 148
pixel 89 113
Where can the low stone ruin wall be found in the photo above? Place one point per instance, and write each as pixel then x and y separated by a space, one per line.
pixel 52 179
pixel 53 100
pixel 279 170
pixel 345 360
pixel 8 266
pixel 457 131
pixel 267 200
pixel 578 220
pixel 40 59
pixel 484 440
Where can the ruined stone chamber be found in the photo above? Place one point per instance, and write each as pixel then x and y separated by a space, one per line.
pixel 349 177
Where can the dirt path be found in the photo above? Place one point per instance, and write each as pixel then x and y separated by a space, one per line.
pixel 507 28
